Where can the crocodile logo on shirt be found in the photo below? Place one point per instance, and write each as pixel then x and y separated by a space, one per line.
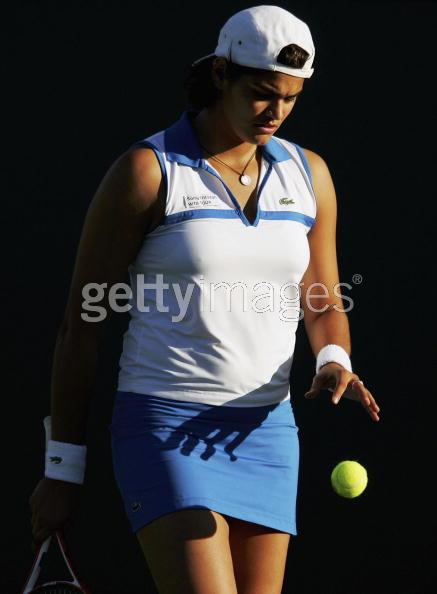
pixel 286 201
pixel 55 459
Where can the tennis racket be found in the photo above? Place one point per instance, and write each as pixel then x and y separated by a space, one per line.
pixel 56 586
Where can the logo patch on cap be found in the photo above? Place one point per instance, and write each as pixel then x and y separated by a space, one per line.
pixel 56 459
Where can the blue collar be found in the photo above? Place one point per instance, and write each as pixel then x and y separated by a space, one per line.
pixel 183 147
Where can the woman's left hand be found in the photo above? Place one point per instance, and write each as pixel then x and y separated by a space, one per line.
pixel 342 382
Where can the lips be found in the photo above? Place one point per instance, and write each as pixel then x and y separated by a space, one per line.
pixel 266 128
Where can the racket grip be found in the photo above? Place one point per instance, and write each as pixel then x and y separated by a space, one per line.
pixel 48 429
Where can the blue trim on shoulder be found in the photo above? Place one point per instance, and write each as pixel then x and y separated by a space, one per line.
pixel 282 215
pixel 157 152
pixel 304 162
pixel 200 213
pixel 274 152
pixel 181 144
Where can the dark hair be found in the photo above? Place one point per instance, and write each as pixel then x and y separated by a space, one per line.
pixel 200 89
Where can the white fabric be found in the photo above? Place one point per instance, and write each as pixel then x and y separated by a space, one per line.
pixel 254 37
pixel 333 353
pixel 48 429
pixel 65 461
pixel 238 358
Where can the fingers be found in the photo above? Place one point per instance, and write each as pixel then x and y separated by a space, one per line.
pixel 317 385
pixel 350 386
pixel 372 408
pixel 366 399
pixel 356 390
pixel 40 530
pixel 340 388
pixel 40 533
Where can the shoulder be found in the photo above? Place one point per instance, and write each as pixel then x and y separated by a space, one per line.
pixel 318 165
pixel 320 174
pixel 321 177
pixel 140 167
pixel 134 178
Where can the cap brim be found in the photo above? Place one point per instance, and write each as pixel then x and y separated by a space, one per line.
pixel 202 59
pixel 277 67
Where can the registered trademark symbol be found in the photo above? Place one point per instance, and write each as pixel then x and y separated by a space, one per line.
pixel 357 279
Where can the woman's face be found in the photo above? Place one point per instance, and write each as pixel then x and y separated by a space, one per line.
pixel 264 98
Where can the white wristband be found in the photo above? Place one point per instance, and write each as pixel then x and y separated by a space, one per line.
pixel 333 353
pixel 48 429
pixel 64 461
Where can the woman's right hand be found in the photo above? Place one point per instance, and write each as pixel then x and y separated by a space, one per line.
pixel 52 504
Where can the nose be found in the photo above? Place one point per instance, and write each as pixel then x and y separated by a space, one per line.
pixel 276 109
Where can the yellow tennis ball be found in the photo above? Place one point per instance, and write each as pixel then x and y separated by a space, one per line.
pixel 349 478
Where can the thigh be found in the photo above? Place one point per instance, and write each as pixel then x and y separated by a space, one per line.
pixel 188 552
pixel 259 556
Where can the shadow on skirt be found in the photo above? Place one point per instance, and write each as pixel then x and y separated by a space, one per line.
pixel 239 461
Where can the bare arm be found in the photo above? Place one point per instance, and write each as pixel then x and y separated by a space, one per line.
pixel 115 225
pixel 331 326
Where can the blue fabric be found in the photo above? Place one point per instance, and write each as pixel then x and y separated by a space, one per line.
pixel 200 213
pixel 211 213
pixel 281 215
pixel 305 163
pixel 238 461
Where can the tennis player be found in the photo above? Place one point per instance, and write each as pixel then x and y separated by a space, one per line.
pixel 224 227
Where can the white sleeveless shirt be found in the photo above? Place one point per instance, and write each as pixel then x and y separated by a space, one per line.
pixel 216 321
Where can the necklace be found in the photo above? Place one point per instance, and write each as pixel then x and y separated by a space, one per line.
pixel 244 178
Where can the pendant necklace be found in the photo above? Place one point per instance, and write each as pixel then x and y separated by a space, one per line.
pixel 245 179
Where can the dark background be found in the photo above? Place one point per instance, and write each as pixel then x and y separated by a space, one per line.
pixel 85 80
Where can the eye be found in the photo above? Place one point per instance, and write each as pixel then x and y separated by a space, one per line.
pixel 261 96
pixel 266 97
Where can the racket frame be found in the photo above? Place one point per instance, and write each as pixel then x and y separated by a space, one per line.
pixel 38 561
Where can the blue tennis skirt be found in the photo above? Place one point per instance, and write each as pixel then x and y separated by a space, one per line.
pixel 170 455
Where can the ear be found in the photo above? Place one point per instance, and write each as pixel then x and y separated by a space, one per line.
pixel 218 72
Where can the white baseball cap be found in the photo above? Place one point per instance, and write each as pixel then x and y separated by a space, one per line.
pixel 255 36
